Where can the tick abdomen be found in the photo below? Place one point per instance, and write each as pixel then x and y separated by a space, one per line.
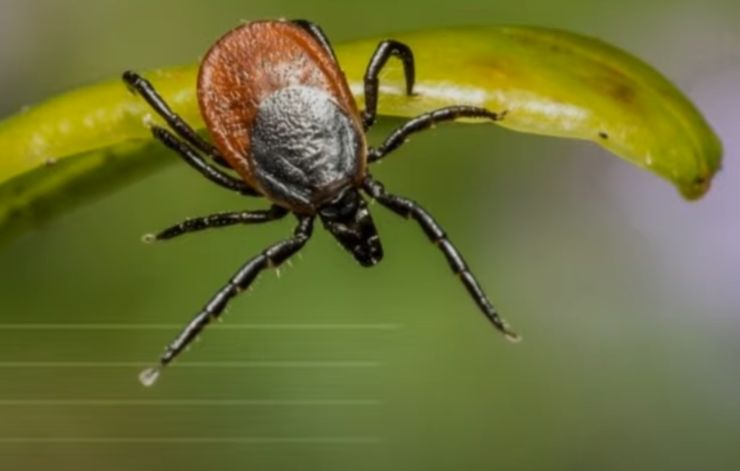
pixel 304 147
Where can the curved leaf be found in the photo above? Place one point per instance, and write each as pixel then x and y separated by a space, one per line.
pixel 548 82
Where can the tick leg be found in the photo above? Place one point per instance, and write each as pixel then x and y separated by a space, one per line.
pixel 271 257
pixel 385 50
pixel 144 88
pixel 196 161
pixel 425 121
pixel 318 34
pixel 218 220
pixel 410 209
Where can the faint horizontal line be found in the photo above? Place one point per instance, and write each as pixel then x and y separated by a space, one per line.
pixel 191 440
pixel 190 402
pixel 101 326
pixel 193 364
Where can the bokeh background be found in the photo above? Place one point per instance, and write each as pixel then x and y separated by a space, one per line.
pixel 627 296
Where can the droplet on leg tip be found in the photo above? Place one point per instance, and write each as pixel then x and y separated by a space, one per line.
pixel 512 337
pixel 149 376
pixel 148 238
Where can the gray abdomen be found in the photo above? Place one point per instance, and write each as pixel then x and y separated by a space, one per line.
pixel 304 147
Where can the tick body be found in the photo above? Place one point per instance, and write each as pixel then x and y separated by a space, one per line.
pixel 280 111
pixel 284 126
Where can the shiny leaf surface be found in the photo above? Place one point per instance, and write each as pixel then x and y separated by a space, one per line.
pixel 549 82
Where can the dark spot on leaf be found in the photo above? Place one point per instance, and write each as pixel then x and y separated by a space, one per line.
pixel 603 135
pixel 621 91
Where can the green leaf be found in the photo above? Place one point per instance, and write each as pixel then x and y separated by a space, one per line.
pixel 89 141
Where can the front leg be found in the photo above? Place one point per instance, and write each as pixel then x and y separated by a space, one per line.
pixel 146 90
pixel 318 34
pixel 385 51
pixel 410 209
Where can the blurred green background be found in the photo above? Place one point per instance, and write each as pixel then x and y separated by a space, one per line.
pixel 626 295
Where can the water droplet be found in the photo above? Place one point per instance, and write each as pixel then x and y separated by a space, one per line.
pixel 148 238
pixel 512 337
pixel 149 376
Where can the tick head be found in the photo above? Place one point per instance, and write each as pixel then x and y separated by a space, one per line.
pixel 348 219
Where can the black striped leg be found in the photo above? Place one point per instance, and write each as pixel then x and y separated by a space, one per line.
pixel 385 50
pixel 218 220
pixel 410 209
pixel 425 121
pixel 272 257
pixel 196 161
pixel 144 88
pixel 318 34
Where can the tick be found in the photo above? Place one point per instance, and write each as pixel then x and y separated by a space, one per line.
pixel 284 126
